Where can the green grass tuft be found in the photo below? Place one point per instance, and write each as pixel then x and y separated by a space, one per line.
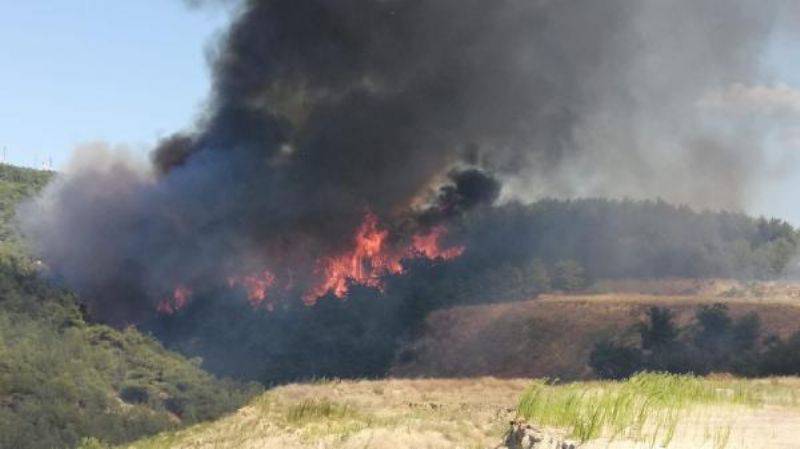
pixel 645 408
pixel 313 410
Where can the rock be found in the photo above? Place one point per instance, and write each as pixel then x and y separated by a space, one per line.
pixel 522 435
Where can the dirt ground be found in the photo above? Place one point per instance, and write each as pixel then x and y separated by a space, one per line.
pixel 707 428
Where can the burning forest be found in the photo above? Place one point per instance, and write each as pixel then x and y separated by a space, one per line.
pixel 350 149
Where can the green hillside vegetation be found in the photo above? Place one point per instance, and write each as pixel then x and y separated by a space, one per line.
pixel 63 379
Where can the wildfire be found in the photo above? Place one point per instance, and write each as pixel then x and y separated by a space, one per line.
pixel 369 260
pixel 257 287
pixel 180 297
pixel 365 264
pixel 428 246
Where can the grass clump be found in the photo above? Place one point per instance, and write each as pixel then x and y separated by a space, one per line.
pixel 645 408
pixel 317 419
pixel 317 409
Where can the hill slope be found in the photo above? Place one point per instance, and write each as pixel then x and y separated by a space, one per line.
pixel 553 335
pixel 62 378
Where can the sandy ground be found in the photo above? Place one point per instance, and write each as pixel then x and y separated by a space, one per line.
pixel 734 428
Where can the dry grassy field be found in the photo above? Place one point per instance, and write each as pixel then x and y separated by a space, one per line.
pixel 647 412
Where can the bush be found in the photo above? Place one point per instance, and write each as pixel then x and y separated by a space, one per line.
pixel 660 331
pixel 713 343
pixel 781 358
pixel 615 361
pixel 134 394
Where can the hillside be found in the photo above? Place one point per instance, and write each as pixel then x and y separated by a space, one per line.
pixel 676 412
pixel 553 335
pixel 63 378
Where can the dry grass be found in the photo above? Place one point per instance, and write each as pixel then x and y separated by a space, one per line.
pixel 553 335
pixel 686 413
pixel 361 414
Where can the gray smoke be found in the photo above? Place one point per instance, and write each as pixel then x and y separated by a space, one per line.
pixel 324 109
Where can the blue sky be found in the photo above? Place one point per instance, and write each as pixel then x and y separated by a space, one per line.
pixel 73 71
pixel 130 72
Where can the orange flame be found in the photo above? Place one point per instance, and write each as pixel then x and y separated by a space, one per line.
pixel 367 263
pixel 257 287
pixel 427 245
pixel 180 297
pixel 364 264
pixel 371 259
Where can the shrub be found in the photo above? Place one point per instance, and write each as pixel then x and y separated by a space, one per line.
pixel 615 361
pixel 134 394
pixel 782 357
pixel 660 331
pixel 714 343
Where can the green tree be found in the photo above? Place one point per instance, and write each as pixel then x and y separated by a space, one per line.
pixel 615 361
pixel 659 332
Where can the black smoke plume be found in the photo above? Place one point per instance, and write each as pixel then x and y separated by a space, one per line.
pixel 322 110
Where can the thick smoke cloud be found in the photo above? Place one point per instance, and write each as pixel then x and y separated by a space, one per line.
pixel 324 109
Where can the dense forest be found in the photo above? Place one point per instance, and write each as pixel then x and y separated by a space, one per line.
pixel 63 379
pixel 633 239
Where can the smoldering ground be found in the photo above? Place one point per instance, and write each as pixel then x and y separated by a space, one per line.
pixel 322 110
